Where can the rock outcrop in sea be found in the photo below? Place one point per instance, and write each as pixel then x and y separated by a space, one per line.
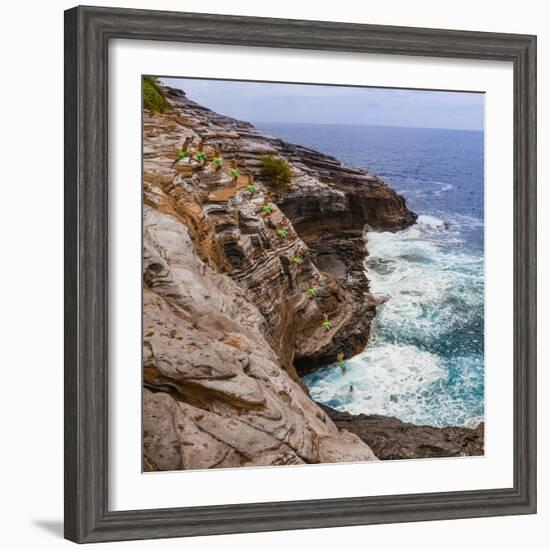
pixel 229 324
pixel 391 439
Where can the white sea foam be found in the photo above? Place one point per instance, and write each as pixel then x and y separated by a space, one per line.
pixel 435 298
pixel 430 221
pixel 430 289
pixel 423 188
pixel 387 379
pixel 443 187
pixel 402 381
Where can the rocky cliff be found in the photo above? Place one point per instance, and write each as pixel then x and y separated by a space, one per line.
pixel 229 319
pixel 391 439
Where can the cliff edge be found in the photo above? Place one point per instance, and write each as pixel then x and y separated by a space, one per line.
pixel 230 317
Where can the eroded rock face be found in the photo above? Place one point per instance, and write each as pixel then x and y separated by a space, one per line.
pixel 227 313
pixel 215 392
pixel 392 439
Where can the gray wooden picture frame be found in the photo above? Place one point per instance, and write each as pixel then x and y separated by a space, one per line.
pixel 88 31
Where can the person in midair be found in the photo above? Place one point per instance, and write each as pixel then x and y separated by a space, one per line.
pixel 183 152
pixel 341 363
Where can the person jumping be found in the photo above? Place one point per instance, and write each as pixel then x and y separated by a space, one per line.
pixel 341 363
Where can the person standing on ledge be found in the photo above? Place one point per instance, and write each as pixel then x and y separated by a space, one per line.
pixel 234 171
pixel 251 187
pixel 217 160
pixel 200 155
pixel 183 152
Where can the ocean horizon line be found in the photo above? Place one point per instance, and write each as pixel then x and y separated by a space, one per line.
pixel 256 122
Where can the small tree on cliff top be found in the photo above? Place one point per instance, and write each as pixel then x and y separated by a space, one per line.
pixel 277 170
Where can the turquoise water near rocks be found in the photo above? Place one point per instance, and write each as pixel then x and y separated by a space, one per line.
pixel 425 360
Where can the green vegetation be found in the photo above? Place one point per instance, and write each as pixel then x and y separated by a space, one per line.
pixel 277 170
pixel 153 97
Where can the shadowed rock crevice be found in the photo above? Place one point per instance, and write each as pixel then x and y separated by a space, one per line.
pixel 227 313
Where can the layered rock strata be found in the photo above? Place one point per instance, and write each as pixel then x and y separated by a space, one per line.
pixel 227 313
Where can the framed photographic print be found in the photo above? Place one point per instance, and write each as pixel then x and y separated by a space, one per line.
pixel 300 274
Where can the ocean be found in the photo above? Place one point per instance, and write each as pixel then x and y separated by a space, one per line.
pixel 425 359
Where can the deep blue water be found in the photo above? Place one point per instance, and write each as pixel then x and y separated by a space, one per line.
pixel 424 362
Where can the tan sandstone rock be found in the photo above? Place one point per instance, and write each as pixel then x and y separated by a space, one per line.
pixel 227 316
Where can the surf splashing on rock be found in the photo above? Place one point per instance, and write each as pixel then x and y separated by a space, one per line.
pixel 424 361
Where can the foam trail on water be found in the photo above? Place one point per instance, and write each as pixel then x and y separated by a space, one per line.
pixel 424 361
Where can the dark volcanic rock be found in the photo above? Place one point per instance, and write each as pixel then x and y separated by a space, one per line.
pixel 391 439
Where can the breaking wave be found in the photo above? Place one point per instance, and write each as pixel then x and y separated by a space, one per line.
pixel 424 361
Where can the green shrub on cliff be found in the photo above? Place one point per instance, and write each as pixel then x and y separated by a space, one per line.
pixel 153 97
pixel 277 170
